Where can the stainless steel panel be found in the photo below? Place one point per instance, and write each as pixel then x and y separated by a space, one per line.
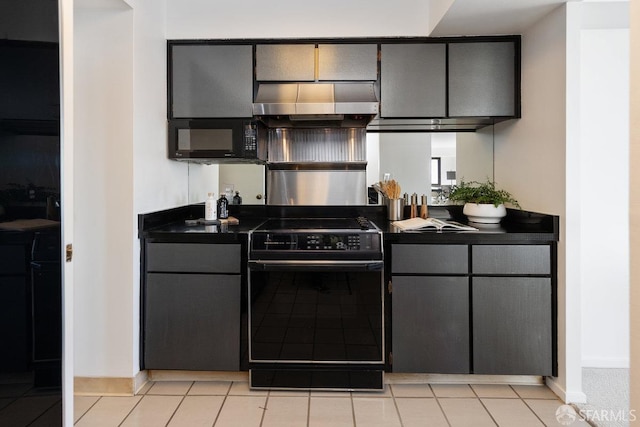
pixel 316 187
pixel 317 145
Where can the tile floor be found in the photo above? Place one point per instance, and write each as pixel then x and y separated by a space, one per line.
pixel 221 403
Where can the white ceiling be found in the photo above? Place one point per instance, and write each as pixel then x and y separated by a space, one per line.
pixel 489 17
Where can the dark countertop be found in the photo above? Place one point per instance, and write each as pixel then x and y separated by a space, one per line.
pixel 518 227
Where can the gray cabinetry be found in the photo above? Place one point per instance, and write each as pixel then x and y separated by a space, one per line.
pixel 512 309
pixel 192 306
pixel 285 62
pixel 482 79
pixel 347 62
pixel 211 81
pixel 299 63
pixel 485 309
pixel 431 324
pixel 430 308
pixel 512 325
pixel 413 80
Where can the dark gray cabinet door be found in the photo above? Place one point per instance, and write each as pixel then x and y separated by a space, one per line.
pixel 212 81
pixel 512 329
pixel 482 79
pixel 192 322
pixel 430 331
pixel 193 258
pixel 285 62
pixel 347 62
pixel 413 80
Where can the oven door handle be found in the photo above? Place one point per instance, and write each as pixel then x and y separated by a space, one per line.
pixel 296 265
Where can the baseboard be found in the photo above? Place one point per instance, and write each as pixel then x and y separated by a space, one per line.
pixel 398 378
pixel 612 363
pixel 567 397
pixel 109 386
pixel 169 375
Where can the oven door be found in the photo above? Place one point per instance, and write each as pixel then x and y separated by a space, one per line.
pixel 316 319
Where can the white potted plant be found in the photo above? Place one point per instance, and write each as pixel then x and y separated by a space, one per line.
pixel 483 202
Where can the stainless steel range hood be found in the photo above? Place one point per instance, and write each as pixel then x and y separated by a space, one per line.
pixel 316 104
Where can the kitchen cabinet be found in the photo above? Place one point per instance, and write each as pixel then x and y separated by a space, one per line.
pixel 285 62
pixel 192 307
pixel 413 80
pixel 478 308
pixel 512 306
pixel 347 62
pixel 430 308
pixel 299 63
pixel 482 79
pixel 211 81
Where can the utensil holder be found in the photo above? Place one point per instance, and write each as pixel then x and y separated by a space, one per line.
pixel 395 209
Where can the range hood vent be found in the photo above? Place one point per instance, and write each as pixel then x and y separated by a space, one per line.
pixel 316 104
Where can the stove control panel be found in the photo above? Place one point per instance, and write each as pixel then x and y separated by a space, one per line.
pixel 316 242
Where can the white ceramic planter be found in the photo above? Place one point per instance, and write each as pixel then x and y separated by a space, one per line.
pixel 485 214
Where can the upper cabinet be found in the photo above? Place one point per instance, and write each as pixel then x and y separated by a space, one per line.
pixel 326 62
pixel 413 80
pixel 482 79
pixel 211 80
pixel 285 62
pixel 348 62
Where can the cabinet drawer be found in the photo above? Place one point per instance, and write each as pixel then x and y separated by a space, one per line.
pixel 430 259
pixel 193 257
pixel 511 259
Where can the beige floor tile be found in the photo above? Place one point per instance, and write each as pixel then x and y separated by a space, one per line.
pixel 241 388
pixel 152 411
pixel 494 390
pixel 197 411
pixel 317 393
pixel 452 390
pixel 291 393
pixel 245 411
pixel 286 411
pixel 375 411
pixel 145 388
pixel 170 388
pixel 534 392
pixel 383 393
pixel 420 412
pixel 411 390
pixel 465 412
pixel 5 401
pixel 210 388
pixel 330 411
pixel 546 410
pixel 81 405
pixel 108 411
pixel 511 412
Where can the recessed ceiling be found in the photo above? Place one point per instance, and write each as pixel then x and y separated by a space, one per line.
pixel 489 17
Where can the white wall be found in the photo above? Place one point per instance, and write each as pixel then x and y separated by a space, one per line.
pixel 474 155
pixel 634 402
pixel 291 18
pixel 604 179
pixel 103 193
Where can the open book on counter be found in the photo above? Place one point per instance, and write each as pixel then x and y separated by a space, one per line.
pixel 431 224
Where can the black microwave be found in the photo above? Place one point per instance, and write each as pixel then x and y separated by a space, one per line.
pixel 216 140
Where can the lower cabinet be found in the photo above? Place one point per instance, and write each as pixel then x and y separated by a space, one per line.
pixel 431 324
pixel 482 309
pixel 512 325
pixel 192 307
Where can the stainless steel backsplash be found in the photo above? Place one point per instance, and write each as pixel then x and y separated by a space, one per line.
pixel 317 145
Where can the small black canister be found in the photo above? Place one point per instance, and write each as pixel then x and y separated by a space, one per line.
pixel 223 207
pixel 237 199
